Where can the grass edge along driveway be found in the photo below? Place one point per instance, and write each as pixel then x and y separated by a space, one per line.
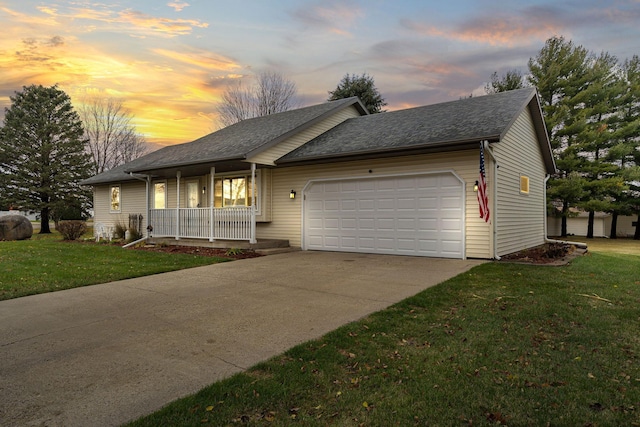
pixel 501 344
pixel 48 264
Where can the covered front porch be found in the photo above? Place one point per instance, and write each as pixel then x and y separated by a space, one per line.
pixel 205 203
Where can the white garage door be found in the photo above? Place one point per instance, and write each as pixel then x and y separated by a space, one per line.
pixel 404 215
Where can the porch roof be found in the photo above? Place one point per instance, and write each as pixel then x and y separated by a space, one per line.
pixel 446 126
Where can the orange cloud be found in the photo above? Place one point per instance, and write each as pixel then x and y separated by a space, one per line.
pixel 202 59
pixel 170 27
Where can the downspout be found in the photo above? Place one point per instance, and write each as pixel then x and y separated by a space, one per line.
pixel 546 238
pixel 253 239
pixel 178 176
pixel 147 181
pixel 494 203
pixel 212 172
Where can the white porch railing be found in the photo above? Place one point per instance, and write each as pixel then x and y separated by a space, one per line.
pixel 233 223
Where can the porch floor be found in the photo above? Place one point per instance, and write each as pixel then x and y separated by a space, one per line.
pixel 221 244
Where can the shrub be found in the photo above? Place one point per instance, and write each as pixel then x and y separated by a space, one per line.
pixel 71 230
pixel 119 229
pixel 134 235
pixel 234 252
pixel 556 250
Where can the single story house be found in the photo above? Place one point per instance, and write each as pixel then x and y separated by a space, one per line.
pixel 332 177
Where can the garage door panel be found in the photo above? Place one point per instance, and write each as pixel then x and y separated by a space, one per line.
pixel 412 215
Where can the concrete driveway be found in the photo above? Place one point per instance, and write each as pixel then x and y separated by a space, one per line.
pixel 106 354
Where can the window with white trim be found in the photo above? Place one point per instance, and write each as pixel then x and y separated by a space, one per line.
pixel 160 195
pixel 235 190
pixel 114 197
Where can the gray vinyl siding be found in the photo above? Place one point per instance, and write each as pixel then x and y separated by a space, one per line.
pixel 520 218
pixel 287 213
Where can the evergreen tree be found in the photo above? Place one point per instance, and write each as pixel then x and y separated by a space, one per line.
pixel 361 86
pixel 593 111
pixel 513 79
pixel 43 153
pixel 625 150
pixel 560 73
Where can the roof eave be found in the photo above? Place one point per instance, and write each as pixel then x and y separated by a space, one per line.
pixel 437 147
pixel 183 164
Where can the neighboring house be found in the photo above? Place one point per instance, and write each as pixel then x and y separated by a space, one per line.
pixel 331 177
pixel 32 216
pixel 578 225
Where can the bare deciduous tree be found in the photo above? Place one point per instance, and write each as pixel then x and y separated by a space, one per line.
pixel 271 93
pixel 113 139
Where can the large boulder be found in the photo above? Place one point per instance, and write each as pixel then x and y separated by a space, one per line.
pixel 15 227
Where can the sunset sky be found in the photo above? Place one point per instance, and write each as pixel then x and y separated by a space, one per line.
pixel 170 60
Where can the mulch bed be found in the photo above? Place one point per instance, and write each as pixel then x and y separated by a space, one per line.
pixel 549 254
pixel 201 251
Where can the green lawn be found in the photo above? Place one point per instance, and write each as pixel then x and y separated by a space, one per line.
pixel 501 344
pixel 46 263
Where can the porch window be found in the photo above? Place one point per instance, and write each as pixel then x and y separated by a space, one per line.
pixel 234 190
pixel 114 194
pixel 193 194
pixel 160 195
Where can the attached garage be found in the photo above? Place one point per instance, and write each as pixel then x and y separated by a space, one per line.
pixel 403 215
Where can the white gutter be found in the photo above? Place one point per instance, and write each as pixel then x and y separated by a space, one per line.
pixel 494 203
pixel 547 239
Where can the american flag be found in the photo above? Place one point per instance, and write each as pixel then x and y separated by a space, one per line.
pixel 483 201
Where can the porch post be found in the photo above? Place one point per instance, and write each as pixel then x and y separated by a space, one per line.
pixel 178 175
pixel 148 184
pixel 253 204
pixel 211 202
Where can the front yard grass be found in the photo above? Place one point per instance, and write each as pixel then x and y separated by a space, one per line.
pixel 46 263
pixel 503 344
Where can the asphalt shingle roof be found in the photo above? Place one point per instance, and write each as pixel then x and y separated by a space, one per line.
pixel 448 124
pixel 473 119
pixel 234 142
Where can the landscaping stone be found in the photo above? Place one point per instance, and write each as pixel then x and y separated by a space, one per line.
pixel 15 227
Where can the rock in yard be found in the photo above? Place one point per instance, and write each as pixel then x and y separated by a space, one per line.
pixel 15 227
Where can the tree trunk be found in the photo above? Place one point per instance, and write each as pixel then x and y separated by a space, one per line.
pixel 44 221
pixel 563 226
pixel 614 226
pixel 636 235
pixel 592 215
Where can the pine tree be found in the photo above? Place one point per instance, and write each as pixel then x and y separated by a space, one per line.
pixel 560 73
pixel 511 80
pixel 43 153
pixel 361 86
pixel 625 151
pixel 593 109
